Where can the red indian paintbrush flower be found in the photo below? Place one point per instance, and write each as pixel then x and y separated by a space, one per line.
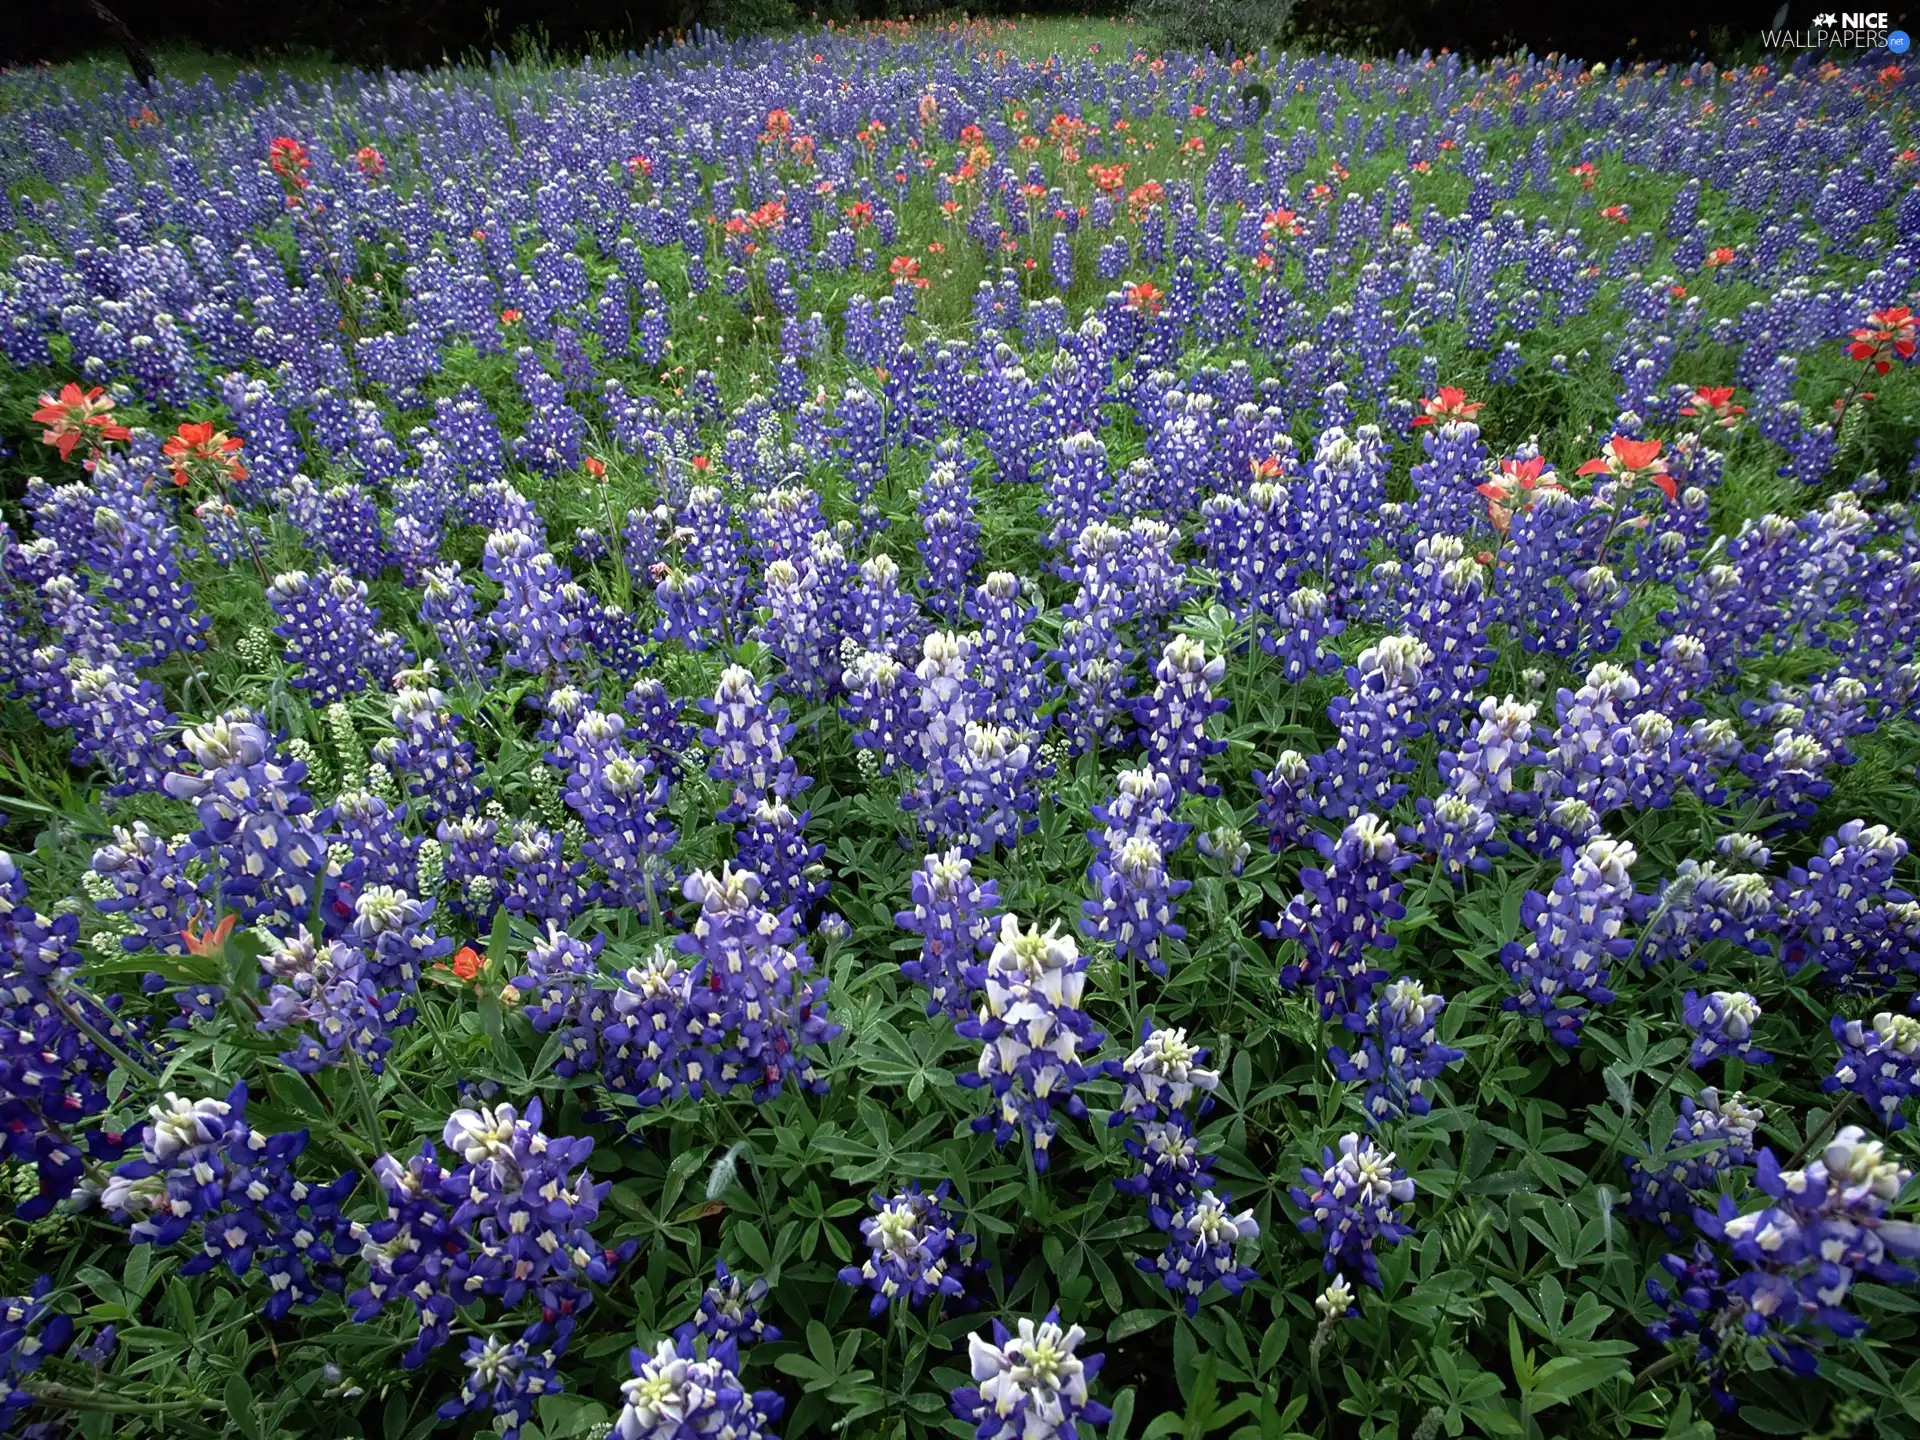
pixel 1449 403
pixel 1715 402
pixel 1632 460
pixel 208 942
pixel 288 157
pixel 1281 222
pixel 370 161
pixel 1512 490
pixel 202 450
pixel 1144 297
pixel 75 415
pixel 1890 332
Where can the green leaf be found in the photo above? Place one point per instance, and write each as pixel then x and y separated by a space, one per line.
pixel 1134 1322
pixel 239 1400
pixel 1122 1408
pixel 1771 1422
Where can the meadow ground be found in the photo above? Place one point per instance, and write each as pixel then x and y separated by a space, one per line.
pixel 875 712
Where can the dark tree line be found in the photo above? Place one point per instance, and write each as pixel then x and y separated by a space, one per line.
pixel 424 32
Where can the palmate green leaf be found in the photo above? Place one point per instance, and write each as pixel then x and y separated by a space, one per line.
pixel 1566 1376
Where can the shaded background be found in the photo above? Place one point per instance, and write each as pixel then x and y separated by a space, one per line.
pixel 424 32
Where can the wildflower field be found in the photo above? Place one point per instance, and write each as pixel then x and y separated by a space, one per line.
pixel 960 730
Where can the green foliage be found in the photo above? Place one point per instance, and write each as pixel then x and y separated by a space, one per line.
pixel 1518 1307
pixel 1225 27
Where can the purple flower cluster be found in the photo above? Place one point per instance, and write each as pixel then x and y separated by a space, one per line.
pixel 201 1166
pixel 675 1392
pixel 1879 1062
pixel 956 917
pixel 1399 1053
pixel 510 1221
pixel 1819 1231
pixel 1029 1383
pixel 1354 1204
pixel 1563 970
pixel 1342 915
pixel 1163 1076
pixel 917 1252
pixel 1660 1190
pixel 1722 1025
pixel 1036 1042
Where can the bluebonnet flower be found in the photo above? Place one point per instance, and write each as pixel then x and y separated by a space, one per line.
pixel 751 976
pixel 1173 720
pixel 1376 723
pixel 1078 488
pixel 1576 928
pixel 1789 777
pixel 880 708
pixel 540 882
pixel 1162 1076
pixel 1455 833
pixel 1035 1038
pixel 1843 910
pixel 1484 769
pixel 506 1378
pixel 802 625
pixel 1825 1228
pixel 1342 913
pixel 1028 1384
pixel 1203 1241
pixel 1880 1064
pixel 443 775
pixel 327 986
pixel 653 716
pixel 1353 1204
pixel 956 916
pixel 1012 681
pixel 917 1252
pixel 982 784
pixel 31 1332
pixel 540 614
pixel 560 991
pixel 142 881
pixel 772 843
pixel 447 608
pixel 1285 799
pixel 675 1393
pixel 1400 1052
pixel 202 1165
pixel 884 617
pixel 729 1311
pixel 621 803
pixel 1722 1025
pixel 328 626
pixel 1660 1191
pixel 748 737
pixel 1226 847
pixel 509 1222
pixel 1133 904
pixel 950 535
pixel 1703 902
pixel 1300 634
pixel 256 827
pixel 649 1043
